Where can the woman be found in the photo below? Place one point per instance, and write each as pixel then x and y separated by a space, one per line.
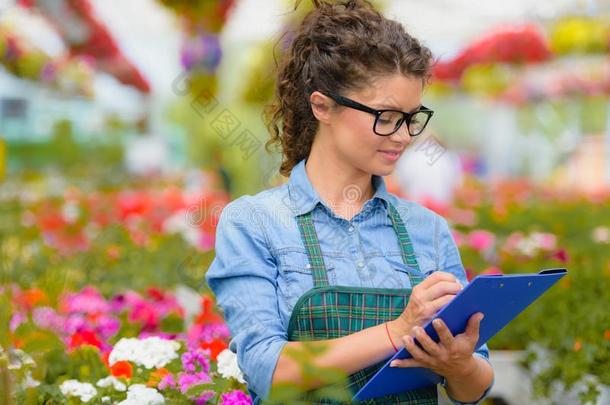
pixel 330 255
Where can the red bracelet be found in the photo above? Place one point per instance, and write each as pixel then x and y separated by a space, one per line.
pixel 391 341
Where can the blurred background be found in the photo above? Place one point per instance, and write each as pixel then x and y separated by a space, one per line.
pixel 126 127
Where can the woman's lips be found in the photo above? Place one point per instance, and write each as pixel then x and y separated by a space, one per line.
pixel 390 155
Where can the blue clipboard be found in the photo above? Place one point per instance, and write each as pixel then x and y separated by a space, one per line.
pixel 499 297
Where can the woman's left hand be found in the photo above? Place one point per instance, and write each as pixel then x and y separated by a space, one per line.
pixel 452 356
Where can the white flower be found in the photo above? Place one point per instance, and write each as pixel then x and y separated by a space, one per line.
pixel 601 234
pixel 152 352
pixel 74 388
pixel 185 223
pixel 228 367
pixel 139 394
pixel 70 212
pixel 30 382
pixel 111 381
pixel 18 358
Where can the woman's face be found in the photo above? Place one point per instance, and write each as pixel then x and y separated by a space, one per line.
pixel 352 131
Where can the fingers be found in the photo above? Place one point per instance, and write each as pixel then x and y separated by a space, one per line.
pixel 439 303
pixel 442 288
pixel 429 345
pixel 474 326
pixel 405 363
pixel 443 332
pixel 417 353
pixel 436 277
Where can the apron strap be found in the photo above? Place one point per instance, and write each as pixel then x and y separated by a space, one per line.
pixel 406 247
pixel 314 252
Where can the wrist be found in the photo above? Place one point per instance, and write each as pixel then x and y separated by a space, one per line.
pixel 397 329
pixel 466 371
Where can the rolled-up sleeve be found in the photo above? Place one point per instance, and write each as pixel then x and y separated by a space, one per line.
pixel 243 278
pixel 451 262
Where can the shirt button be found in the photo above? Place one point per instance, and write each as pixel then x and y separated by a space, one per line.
pixel 350 229
pixel 360 264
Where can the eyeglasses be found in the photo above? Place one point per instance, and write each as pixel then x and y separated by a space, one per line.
pixel 388 122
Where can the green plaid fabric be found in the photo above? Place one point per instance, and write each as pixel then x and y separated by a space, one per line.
pixel 328 312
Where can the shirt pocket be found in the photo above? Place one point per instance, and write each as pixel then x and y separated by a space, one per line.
pixel 296 276
pixel 403 272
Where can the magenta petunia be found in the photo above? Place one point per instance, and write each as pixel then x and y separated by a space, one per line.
pixel 235 397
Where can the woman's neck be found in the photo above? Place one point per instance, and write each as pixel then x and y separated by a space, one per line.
pixel 342 187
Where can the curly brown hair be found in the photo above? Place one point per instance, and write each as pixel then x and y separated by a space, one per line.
pixel 339 46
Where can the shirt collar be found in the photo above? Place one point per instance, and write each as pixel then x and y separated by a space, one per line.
pixel 305 198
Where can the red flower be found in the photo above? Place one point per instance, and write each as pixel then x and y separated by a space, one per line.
pixel 85 337
pixel 28 299
pixel 121 369
pixel 155 293
pixel 216 346
pixel 561 255
pixel 207 314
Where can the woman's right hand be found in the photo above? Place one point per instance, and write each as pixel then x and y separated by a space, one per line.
pixel 427 298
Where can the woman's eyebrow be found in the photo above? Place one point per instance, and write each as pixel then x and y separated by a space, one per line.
pixel 393 107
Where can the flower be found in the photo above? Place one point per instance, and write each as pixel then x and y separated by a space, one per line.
pixel 235 397
pixel 73 388
pixel 228 366
pixel 562 256
pixel 167 381
pixel 111 381
pixel 207 314
pixel 188 380
pixel 215 347
pixel 152 352
pixel 139 394
pixel 601 234
pixel 85 337
pixel 481 240
pixel 121 369
pixel 195 360
pixel 157 376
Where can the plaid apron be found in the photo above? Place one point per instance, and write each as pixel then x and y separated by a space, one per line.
pixel 327 312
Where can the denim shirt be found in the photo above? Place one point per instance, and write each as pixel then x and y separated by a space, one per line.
pixel 261 267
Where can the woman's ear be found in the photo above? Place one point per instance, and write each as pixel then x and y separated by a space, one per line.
pixel 321 106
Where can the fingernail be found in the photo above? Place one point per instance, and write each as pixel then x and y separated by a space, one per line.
pixel 393 364
pixel 436 322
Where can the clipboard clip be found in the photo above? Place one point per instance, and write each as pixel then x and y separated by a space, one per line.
pixel 553 271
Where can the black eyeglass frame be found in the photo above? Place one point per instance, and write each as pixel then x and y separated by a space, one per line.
pixel 346 102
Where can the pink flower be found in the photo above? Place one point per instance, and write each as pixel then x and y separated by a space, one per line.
pixel 17 319
pixel 198 333
pixel 88 301
pixel 481 240
pixel 204 398
pixel 235 397
pixel 167 382
pixel 545 241
pixel 47 318
pixel 186 381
